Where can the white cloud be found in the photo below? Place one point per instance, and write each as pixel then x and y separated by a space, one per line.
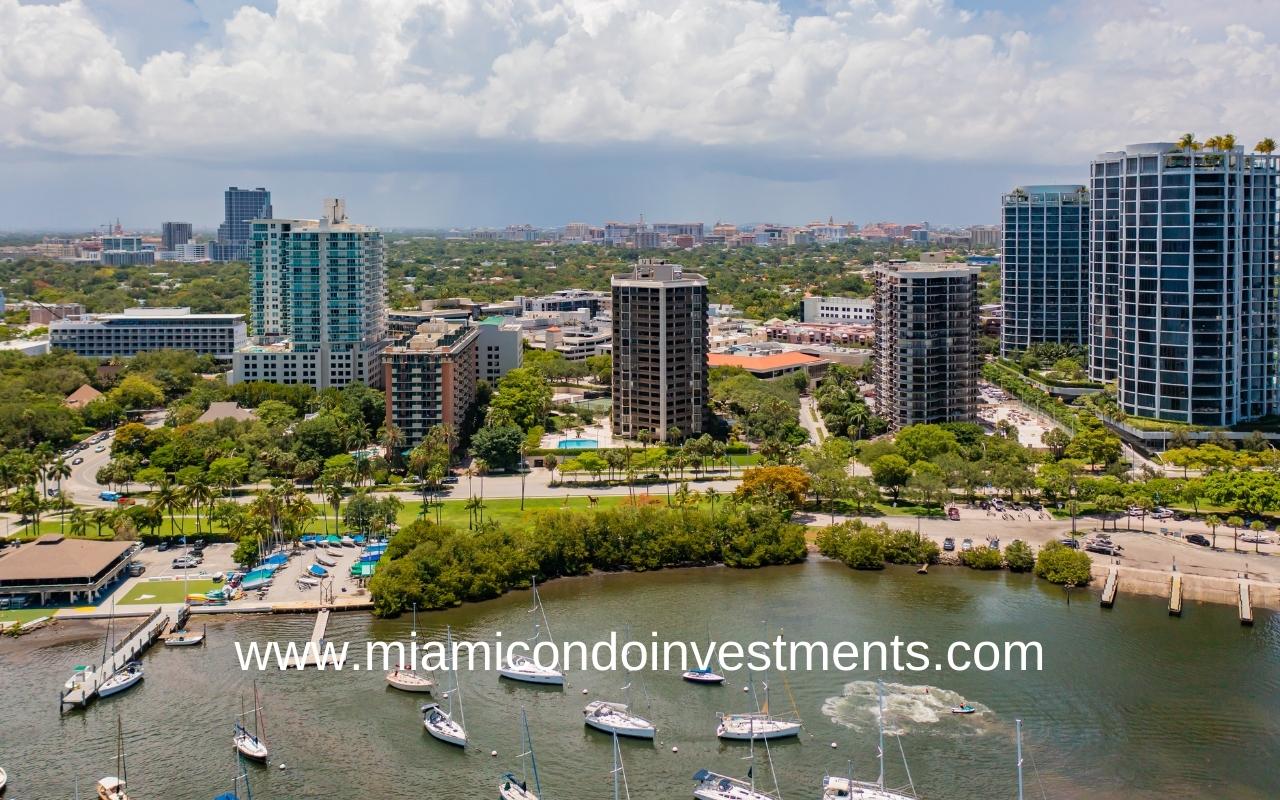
pixel 858 78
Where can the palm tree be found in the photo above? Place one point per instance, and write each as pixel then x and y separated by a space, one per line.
pixel 481 468
pixel 1235 523
pixel 334 496
pixel 1188 142
pixel 199 495
pixel 1257 526
pixel 392 441
pixel 474 507
pixel 79 522
pixel 1267 146
pixel 551 462
pixel 167 500
pixel 100 517
pixel 1227 141
pixel 58 471
pixel 1213 521
pixel 712 495
pixel 1213 143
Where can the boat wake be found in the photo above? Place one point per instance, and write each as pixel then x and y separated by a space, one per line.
pixel 908 708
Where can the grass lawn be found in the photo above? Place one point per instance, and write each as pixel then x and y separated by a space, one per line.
pixel 150 592
pixel 504 511
pixel 24 615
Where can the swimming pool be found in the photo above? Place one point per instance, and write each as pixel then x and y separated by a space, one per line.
pixel 577 444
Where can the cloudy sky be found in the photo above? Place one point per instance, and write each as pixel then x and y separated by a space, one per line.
pixel 489 112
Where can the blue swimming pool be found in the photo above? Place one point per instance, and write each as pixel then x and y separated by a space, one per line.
pixel 577 444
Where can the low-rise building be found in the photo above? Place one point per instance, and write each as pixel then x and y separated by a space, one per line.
pixel 137 330
pixel 61 571
pixel 430 378
pixel 568 300
pixel 770 364
pixel 576 342
pixel 838 309
pixel 499 349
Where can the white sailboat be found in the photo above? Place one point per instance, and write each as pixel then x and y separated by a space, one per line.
pixel 512 788
pixel 524 668
pixel 408 680
pixel 836 787
pixel 252 744
pixel 124 678
pixel 439 722
pixel 620 788
pixel 113 787
pixel 757 725
pixel 617 718
pixel 712 786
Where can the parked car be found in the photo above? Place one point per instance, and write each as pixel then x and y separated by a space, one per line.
pixel 966 545
pixel 1134 511
pixel 1103 548
pixel 948 544
pixel 136 568
pixel 953 513
pixel 1162 513
pixel 100 448
pixel 1198 538
pixel 163 546
pixel 77 461
pixel 185 562
pixel 1072 543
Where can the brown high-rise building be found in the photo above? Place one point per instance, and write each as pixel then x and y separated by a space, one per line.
pixel 430 378
pixel 659 351
pixel 926 333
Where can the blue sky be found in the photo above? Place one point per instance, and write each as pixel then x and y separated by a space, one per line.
pixel 489 112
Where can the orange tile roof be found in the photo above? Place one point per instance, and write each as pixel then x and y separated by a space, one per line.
pixel 770 362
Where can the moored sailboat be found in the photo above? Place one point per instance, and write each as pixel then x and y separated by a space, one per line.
pixel 512 788
pixel 124 678
pixel 408 680
pixel 440 722
pixel 252 744
pixel 758 724
pixel 837 787
pixel 524 668
pixel 114 787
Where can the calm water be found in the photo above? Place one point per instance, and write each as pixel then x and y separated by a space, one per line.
pixel 1131 704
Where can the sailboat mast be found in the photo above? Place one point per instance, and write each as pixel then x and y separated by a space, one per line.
pixel 880 719
pixel 533 760
pixel 1019 725
pixel 120 761
pixel 616 767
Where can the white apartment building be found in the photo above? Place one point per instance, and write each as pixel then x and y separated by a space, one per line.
pixel 838 309
pixel 137 330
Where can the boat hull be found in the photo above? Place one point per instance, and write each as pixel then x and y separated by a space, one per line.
pixel 510 789
pixel 693 676
pixel 549 678
pixel 119 683
pixel 759 732
pixel 409 682
pixel 445 735
pixel 251 749
pixel 184 639
pixel 616 719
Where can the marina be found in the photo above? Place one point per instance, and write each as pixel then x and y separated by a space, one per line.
pixel 1227 736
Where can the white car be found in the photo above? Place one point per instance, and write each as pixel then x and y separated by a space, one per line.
pixel 100 448
pixel 1260 538
pixel 1162 513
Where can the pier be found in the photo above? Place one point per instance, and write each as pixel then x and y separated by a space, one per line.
pixel 1246 605
pixel 1175 596
pixel 315 647
pixel 1110 588
pixel 83 686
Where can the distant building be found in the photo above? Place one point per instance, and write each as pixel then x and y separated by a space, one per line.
pixel 189 253
pixel 240 208
pixel 55 570
pixel 44 313
pixel 984 236
pixel 140 330
pixel 318 302
pixel 694 230
pixel 576 342
pixel 770 365
pixel 926 343
pixel 499 349
pixel 837 309
pixel 1044 269
pixel 568 300
pixel 173 234
pixel 81 397
pixel 660 351
pixel 430 378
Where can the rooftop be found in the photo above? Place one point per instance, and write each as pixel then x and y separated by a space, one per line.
pixel 768 362
pixel 54 558
pixel 227 409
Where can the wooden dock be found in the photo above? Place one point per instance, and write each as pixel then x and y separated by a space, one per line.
pixel 83 686
pixel 1110 588
pixel 1246 605
pixel 1175 595
pixel 315 647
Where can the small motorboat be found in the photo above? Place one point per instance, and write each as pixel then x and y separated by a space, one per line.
pixel 702 676
pixel 617 718
pixel 406 680
pixel 249 745
pixel 111 789
pixel 523 668
pixel 347 541
pixel 333 554
pixel 124 678
pixel 317 571
pixel 326 562
pixel 184 638
pixel 963 709
pixel 307 582
pixel 441 725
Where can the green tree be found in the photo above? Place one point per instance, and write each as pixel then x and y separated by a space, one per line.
pixel 1018 555
pixel 891 472
pixel 498 445
pixel 1059 564
pixel 1235 523
pixel 1213 521
pixel 523 399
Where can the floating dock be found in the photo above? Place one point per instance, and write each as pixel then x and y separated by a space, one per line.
pixel 1246 605
pixel 315 647
pixel 1175 596
pixel 1112 586
pixel 83 686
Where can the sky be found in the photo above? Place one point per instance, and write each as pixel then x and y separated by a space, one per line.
pixel 441 113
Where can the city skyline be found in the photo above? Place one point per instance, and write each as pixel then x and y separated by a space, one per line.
pixel 782 112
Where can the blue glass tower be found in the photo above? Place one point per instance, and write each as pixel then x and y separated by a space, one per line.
pixel 240 208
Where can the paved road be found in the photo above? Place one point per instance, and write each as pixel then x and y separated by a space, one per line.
pixel 812 420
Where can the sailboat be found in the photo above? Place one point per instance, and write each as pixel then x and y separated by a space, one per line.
pixel 241 779
pixel 407 680
pixel 837 787
pixel 438 722
pixel 703 674
pixel 757 725
pixel 128 675
pixel 620 788
pixel 617 718
pixel 4 779
pixel 512 788
pixel 252 745
pixel 113 788
pixel 524 668
pixel 711 786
